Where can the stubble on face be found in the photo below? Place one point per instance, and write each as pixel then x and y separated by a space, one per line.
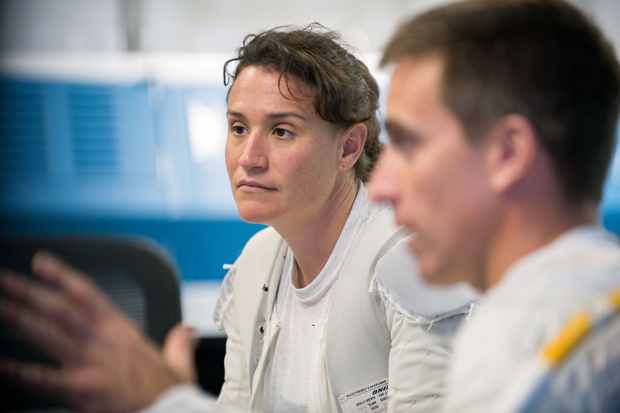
pixel 439 179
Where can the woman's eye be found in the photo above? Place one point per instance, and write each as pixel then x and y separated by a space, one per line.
pixel 239 130
pixel 281 132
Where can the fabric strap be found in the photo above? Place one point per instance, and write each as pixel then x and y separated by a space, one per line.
pixel 358 342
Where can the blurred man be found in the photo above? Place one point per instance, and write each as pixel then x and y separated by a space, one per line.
pixel 501 119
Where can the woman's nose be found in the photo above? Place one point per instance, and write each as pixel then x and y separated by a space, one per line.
pixel 254 155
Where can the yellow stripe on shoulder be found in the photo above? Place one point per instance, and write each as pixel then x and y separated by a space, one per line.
pixel 568 338
pixel 615 299
pixel 554 351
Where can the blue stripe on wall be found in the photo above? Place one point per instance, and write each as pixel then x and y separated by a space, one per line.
pixel 199 248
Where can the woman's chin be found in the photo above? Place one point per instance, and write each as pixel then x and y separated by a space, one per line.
pixel 255 215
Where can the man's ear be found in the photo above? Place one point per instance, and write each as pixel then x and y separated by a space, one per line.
pixel 352 142
pixel 513 146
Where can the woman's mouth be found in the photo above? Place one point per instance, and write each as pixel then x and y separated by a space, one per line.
pixel 253 186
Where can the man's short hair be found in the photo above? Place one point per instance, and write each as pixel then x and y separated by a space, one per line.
pixel 345 93
pixel 542 59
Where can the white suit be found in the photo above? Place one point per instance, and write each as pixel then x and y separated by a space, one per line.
pixel 385 327
pixel 384 323
pixel 530 307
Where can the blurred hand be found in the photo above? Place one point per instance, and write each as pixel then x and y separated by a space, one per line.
pixel 105 363
pixel 179 352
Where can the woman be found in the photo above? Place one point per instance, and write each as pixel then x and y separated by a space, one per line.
pixel 323 309
pixel 303 329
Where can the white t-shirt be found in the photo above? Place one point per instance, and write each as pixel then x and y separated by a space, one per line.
pixel 300 310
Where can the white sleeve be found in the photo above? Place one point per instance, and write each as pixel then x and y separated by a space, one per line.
pixel 225 296
pixel 236 388
pixel 234 396
pixel 422 320
pixel 418 361
pixel 183 398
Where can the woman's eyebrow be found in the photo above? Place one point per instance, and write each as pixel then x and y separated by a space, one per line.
pixel 235 114
pixel 280 115
pixel 277 115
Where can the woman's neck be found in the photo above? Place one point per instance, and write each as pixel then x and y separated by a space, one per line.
pixel 313 240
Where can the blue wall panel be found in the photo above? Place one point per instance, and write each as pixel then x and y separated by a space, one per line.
pixel 115 159
pixel 199 248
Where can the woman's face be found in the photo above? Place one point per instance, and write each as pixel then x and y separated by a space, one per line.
pixel 281 157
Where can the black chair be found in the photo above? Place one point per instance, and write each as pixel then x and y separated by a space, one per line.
pixel 136 274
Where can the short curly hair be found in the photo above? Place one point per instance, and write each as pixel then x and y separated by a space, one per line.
pixel 345 93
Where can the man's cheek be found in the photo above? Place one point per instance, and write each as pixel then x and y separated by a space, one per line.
pixel 415 189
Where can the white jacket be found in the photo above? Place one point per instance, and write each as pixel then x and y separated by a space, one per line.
pixel 531 307
pixel 385 324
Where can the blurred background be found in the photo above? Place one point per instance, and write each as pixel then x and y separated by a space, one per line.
pixel 112 118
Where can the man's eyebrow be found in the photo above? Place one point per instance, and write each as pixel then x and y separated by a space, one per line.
pixel 398 133
pixel 394 127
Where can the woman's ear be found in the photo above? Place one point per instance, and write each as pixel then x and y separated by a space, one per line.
pixel 352 145
pixel 512 151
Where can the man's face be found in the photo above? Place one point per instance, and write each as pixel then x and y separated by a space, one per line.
pixel 434 177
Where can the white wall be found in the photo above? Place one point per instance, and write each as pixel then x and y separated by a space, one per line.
pixel 67 25
pixel 213 25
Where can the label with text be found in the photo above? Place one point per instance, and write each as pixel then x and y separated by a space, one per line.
pixel 368 399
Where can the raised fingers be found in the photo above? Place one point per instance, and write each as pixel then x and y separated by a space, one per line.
pixel 47 336
pixel 45 302
pixel 71 282
pixel 46 379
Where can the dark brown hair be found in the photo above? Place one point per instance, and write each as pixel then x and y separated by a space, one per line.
pixel 539 58
pixel 344 91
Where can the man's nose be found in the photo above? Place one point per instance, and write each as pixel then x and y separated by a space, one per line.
pixel 383 182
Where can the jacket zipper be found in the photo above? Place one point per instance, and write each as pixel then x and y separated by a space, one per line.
pixel 261 363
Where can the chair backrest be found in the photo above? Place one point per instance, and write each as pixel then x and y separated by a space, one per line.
pixel 136 274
